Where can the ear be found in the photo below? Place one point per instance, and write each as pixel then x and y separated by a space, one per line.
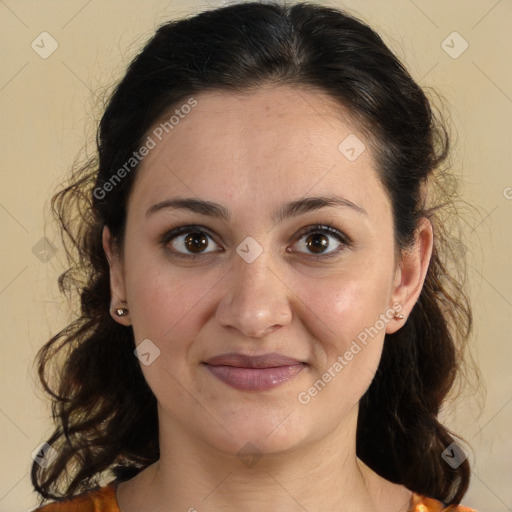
pixel 117 282
pixel 410 275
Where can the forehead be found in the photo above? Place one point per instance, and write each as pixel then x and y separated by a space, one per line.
pixel 259 147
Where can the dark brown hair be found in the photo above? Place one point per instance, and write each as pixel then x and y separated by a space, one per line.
pixel 105 413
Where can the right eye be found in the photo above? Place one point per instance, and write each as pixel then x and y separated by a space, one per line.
pixel 188 241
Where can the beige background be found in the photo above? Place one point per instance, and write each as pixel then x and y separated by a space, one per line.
pixel 48 108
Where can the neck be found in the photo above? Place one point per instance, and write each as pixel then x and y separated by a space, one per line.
pixel 322 474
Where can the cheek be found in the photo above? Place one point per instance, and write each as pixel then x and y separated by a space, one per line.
pixel 169 309
pixel 166 302
pixel 343 313
pixel 343 305
pixel 348 348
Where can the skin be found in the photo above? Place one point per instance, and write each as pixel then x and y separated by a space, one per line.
pixel 251 153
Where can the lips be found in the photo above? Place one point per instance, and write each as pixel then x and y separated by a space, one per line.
pixel 254 373
pixel 272 360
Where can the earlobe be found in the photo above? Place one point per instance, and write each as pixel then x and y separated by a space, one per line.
pixel 118 302
pixel 411 275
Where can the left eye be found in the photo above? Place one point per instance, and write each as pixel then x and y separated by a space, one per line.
pixel 317 240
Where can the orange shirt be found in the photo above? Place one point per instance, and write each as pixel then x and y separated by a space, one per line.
pixel 104 500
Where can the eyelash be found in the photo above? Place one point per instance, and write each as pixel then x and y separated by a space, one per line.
pixel 326 229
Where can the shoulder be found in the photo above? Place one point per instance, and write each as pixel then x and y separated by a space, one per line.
pixel 102 499
pixel 425 504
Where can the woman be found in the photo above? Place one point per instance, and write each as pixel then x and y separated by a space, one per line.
pixel 267 317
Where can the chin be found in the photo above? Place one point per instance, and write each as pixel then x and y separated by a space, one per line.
pixel 260 434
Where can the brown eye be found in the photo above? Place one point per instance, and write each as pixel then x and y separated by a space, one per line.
pixel 317 242
pixel 188 242
pixel 323 241
pixel 196 242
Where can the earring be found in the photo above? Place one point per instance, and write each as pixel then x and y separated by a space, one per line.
pixel 399 316
pixel 122 311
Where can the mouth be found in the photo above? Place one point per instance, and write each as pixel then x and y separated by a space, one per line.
pixel 254 373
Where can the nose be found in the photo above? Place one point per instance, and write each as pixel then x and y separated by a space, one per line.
pixel 256 301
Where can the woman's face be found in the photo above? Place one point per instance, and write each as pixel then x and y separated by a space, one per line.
pixel 252 275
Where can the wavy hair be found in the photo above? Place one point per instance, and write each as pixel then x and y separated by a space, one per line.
pixel 105 413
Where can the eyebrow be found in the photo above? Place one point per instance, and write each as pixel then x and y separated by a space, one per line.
pixel 290 209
